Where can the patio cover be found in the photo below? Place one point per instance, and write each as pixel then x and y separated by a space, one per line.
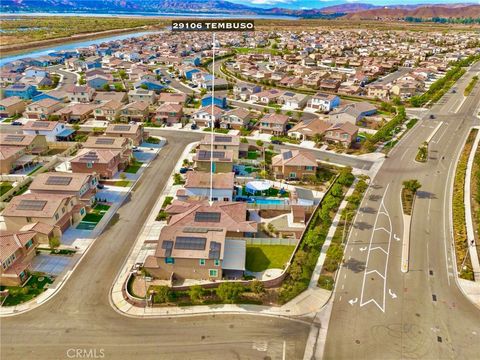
pixel 258 185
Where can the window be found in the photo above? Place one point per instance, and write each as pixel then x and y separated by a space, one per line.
pixel 89 165
pixel 201 262
pixel 29 219
pixel 56 216
pixel 216 262
pixel 293 175
pixel 309 168
pixel 28 244
pixel 169 260
pixel 213 272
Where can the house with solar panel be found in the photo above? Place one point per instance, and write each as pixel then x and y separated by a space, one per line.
pixel 202 242
pixel 83 186
pixel 124 145
pixel 218 161
pixel 31 144
pixel 134 132
pixel 105 162
pixel 294 164
pixel 53 213
pixel 222 142
pixel 49 129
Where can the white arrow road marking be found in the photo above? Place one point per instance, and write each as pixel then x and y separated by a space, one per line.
pixel 363 249
pixel 392 294
pixel 353 301
pixel 396 237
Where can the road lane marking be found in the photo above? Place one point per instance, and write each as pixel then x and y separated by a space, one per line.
pixel 396 237
pixel 392 294
pixel 363 249
pixel 378 248
pixel 375 271
pixel 353 301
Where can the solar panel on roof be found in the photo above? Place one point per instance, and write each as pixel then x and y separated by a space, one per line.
pixel 223 138
pixel 102 141
pixel 287 155
pixel 193 229
pixel 14 138
pixel 58 180
pixel 41 124
pixel 121 128
pixel 35 205
pixel 202 216
pixel 190 243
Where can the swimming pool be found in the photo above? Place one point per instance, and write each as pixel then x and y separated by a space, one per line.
pixel 270 201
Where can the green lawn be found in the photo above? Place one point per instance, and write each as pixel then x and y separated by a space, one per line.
pixel 123 183
pixel 91 219
pixel 133 167
pixel 252 155
pixel 5 187
pixel 262 257
pixel 33 288
pixel 272 192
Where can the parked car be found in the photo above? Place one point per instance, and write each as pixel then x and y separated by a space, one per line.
pixel 432 116
pixel 277 142
pixel 194 127
pixel 16 123
pixel 100 186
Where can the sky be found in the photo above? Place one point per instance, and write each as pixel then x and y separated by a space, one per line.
pixel 315 4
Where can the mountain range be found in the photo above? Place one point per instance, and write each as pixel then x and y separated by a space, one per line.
pixel 347 10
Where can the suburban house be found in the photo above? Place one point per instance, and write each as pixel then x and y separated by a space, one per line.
pixel 220 101
pixel 222 161
pixel 57 211
pixel 83 186
pixel 17 249
pixel 243 91
pixel 76 112
pixel 309 129
pixel 42 109
pixel 23 91
pixel 202 242
pixel 11 106
pixel 293 101
pixel 236 119
pixel 380 91
pixel 32 144
pixel 274 124
pixel 168 113
pixel 221 142
pixel 323 102
pixel 267 96
pixel 49 129
pixel 352 113
pixel 146 96
pixel 121 144
pixel 81 94
pixel 197 186
pixel 106 163
pixel 136 111
pixel 10 158
pixel 134 132
pixel 109 110
pixel 294 164
pixel 172 98
pixel 344 133
pixel 203 116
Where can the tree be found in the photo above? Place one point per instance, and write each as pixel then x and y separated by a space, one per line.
pixel 230 292
pixel 106 87
pixel 259 143
pixel 196 292
pixel 257 287
pixel 54 242
pixel 413 185
pixel 123 176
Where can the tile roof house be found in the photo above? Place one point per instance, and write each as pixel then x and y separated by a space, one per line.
pixel 134 132
pixel 59 211
pixel 344 133
pixel 76 112
pixel 83 186
pixel 9 156
pixel 137 111
pixel 275 124
pixel 294 164
pixel 203 116
pixel 11 106
pixel 221 142
pixel 49 129
pixel 195 242
pixel 197 186
pixel 168 113
pixel 323 102
pixel 146 96
pixel 236 119
pixel 308 129
pixel 105 162
pixel 172 98
pixel 222 161
pixel 109 110
pixel 17 249
pixel 32 144
pixel 81 94
pixel 41 109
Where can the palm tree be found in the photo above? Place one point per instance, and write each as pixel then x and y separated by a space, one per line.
pixel 413 185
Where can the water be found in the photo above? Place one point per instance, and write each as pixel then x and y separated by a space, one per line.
pixel 270 201
pixel 71 46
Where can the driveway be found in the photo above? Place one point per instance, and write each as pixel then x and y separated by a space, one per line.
pixel 51 264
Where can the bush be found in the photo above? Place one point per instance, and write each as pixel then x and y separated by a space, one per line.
pixel 162 215
pixel 54 242
pixel 325 282
pixel 257 287
pixel 230 292
pixel 162 294
pixel 196 293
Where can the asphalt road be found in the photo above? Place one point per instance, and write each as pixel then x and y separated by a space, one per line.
pixel 380 312
pixel 80 316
